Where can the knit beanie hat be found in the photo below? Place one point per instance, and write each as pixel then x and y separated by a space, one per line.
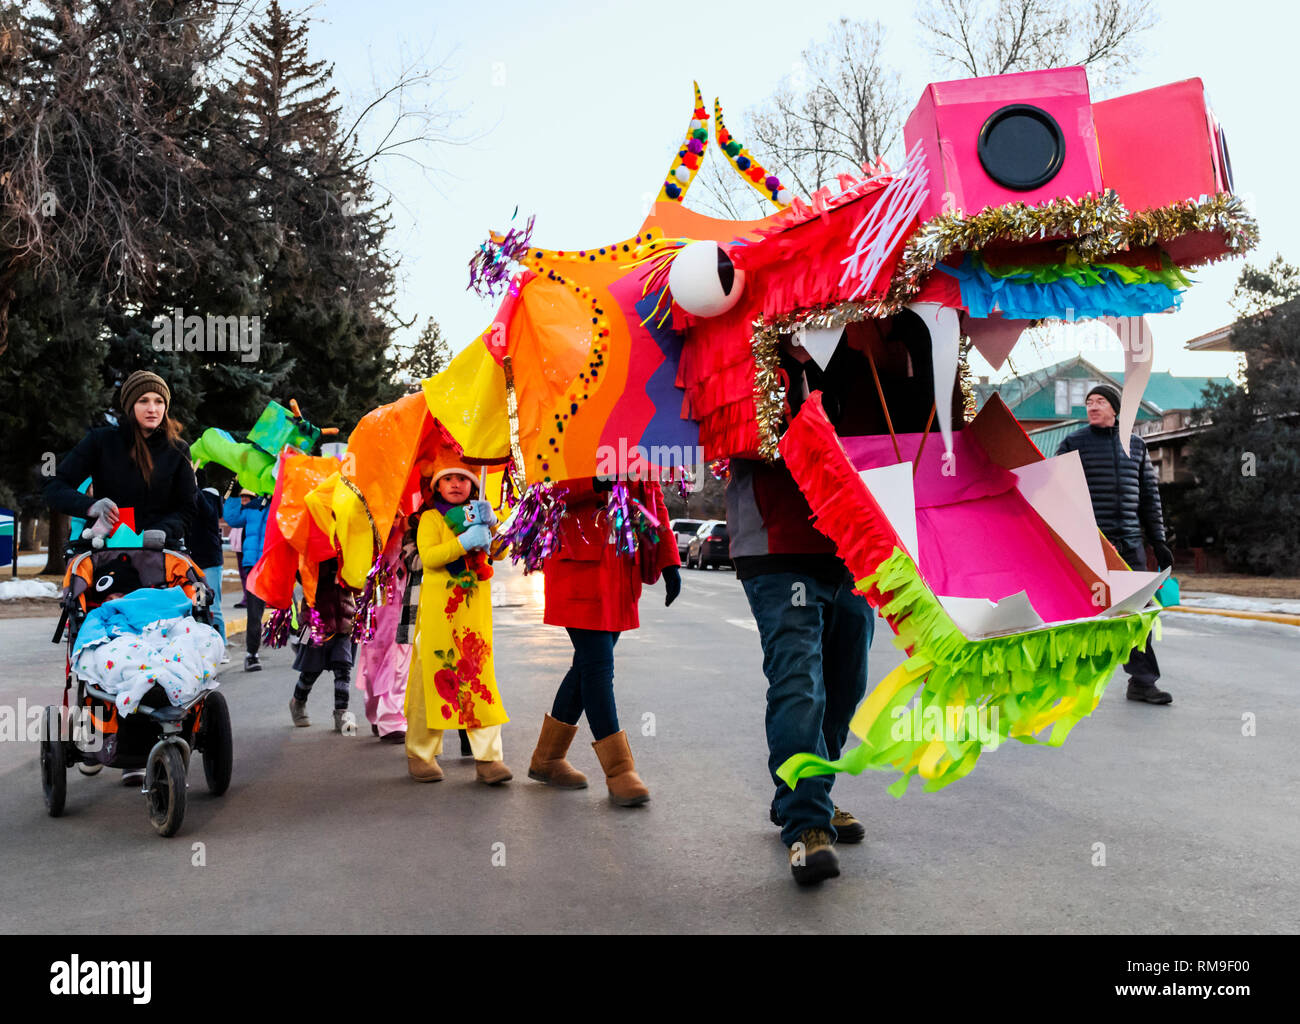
pixel 1109 393
pixel 140 383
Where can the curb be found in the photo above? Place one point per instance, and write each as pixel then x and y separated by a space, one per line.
pixel 1284 619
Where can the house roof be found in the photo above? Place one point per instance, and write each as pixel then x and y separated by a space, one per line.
pixel 1167 392
pixel 1032 396
pixel 1049 439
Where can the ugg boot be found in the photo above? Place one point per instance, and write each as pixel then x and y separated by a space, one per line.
pixel 423 771
pixel 625 786
pixel 298 712
pixel 492 772
pixel 548 764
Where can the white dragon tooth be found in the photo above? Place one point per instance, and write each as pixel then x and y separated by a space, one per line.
pixel 1134 333
pixel 945 348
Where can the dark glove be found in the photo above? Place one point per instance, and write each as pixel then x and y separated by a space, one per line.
pixel 672 584
pixel 1164 557
pixel 601 486
pixel 153 540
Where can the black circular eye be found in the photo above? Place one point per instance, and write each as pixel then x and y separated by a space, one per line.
pixel 103 583
pixel 1021 147
pixel 1226 161
pixel 726 271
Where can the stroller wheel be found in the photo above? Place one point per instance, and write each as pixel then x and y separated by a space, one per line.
pixel 54 764
pixel 89 769
pixel 166 791
pixel 214 740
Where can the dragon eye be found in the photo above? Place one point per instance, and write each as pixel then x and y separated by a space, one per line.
pixel 704 281
pixel 1021 147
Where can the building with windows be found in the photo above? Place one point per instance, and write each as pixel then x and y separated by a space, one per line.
pixel 1049 403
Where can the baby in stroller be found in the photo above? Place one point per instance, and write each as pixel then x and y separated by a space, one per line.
pixel 142 657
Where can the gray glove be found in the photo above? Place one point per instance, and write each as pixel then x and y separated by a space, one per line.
pixel 153 540
pixel 101 518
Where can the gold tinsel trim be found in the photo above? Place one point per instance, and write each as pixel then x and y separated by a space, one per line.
pixel 512 414
pixel 768 400
pixel 376 540
pixel 1094 228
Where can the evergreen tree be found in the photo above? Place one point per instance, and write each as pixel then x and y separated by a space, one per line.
pixel 1247 462
pixel 326 280
pixel 429 355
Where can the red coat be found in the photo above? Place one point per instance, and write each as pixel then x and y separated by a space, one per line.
pixel 588 585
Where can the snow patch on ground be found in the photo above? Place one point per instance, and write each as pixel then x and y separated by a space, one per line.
pixel 12 589
pixel 1231 602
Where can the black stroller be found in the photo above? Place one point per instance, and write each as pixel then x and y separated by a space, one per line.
pixel 157 737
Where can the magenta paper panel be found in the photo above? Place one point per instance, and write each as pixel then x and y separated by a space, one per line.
pixel 978 537
pixel 998 546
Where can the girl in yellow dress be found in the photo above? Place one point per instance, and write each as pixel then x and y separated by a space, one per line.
pixel 452 683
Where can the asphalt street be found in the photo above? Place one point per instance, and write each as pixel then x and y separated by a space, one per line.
pixel 324 833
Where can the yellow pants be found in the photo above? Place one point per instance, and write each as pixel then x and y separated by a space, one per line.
pixel 425 744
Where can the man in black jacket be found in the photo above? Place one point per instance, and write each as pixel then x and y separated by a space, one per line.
pixel 1126 503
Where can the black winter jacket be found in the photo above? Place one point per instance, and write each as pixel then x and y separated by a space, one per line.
pixel 1125 495
pixel 104 455
pixel 204 538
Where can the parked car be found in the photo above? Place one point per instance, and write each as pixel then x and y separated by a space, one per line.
pixel 685 530
pixel 710 546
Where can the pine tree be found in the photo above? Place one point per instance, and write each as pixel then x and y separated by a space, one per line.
pixel 326 278
pixel 1247 462
pixel 429 355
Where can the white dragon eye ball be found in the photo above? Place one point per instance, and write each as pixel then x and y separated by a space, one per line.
pixel 704 281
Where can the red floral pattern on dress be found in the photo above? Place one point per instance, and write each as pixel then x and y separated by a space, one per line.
pixel 459 681
pixel 462 587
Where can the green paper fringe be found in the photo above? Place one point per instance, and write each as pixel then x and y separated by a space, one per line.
pixel 995 682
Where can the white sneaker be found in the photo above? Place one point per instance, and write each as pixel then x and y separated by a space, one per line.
pixel 225 659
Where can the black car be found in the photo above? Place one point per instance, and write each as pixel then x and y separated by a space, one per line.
pixel 684 530
pixel 710 546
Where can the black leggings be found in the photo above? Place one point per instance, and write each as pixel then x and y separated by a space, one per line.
pixel 341 686
pixel 589 684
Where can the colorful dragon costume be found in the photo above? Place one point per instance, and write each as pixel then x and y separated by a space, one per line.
pixel 1020 201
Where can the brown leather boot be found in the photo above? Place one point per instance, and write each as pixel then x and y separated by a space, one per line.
pixel 492 772
pixel 548 764
pixel 625 786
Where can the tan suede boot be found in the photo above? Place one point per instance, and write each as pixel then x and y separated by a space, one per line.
pixel 549 764
pixel 423 771
pixel 492 772
pixel 625 786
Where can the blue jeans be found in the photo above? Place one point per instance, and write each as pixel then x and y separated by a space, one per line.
pixel 213 576
pixel 815 640
pixel 589 684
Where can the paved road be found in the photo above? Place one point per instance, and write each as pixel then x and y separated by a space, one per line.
pixel 323 833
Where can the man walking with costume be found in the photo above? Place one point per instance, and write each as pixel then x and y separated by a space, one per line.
pixel 1126 503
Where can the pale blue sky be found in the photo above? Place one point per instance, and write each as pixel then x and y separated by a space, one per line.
pixel 576 110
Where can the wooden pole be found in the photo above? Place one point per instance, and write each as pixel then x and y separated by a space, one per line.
pixel 883 405
pixel 921 447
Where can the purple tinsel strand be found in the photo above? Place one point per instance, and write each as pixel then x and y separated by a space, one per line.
pixel 683 488
pixel 276 631
pixel 376 593
pixel 315 630
pixel 619 510
pixel 490 268
pixel 534 534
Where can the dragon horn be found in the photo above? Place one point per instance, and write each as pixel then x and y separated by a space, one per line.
pixel 689 156
pixel 767 185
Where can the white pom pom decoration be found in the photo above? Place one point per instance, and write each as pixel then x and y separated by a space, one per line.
pixel 683 173
pixel 783 196
pixel 696 283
